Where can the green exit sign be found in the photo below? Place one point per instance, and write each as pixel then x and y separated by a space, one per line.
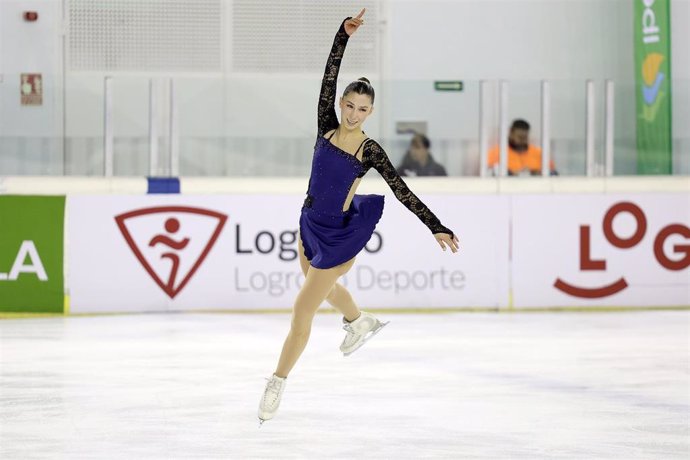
pixel 448 85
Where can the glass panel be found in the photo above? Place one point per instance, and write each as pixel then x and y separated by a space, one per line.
pixel 265 125
pixel 524 102
pixel 448 119
pixel 681 126
pixel 624 146
pixel 568 126
pixel 84 106
pixel 131 126
pixel 257 126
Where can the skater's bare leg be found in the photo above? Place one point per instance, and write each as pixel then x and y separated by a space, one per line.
pixel 339 297
pixel 317 285
pixel 341 300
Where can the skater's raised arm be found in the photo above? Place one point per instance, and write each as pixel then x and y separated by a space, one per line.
pixel 377 158
pixel 327 119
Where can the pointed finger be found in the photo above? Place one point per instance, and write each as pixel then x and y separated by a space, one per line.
pixel 361 13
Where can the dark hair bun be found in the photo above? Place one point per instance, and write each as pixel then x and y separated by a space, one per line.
pixel 360 86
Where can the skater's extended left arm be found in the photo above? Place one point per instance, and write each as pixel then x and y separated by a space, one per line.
pixel 377 158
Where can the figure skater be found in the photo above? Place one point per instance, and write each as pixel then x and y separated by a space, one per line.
pixel 335 224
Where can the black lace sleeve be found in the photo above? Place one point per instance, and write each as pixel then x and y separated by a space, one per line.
pixel 375 157
pixel 327 119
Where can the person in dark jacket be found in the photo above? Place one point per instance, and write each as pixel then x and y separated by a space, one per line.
pixel 418 160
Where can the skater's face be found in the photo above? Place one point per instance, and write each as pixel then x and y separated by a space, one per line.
pixel 354 109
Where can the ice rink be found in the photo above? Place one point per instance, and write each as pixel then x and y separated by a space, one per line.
pixel 458 385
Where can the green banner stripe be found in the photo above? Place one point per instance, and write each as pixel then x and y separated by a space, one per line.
pixel 31 254
pixel 653 86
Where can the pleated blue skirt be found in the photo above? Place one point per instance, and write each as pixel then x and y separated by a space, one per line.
pixel 332 239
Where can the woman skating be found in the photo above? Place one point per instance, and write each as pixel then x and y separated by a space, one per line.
pixel 335 224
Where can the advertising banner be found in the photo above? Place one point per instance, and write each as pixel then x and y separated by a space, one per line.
pixel 653 88
pixel 176 252
pixel 615 250
pixel 31 254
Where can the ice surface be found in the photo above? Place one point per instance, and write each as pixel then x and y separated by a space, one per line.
pixel 461 385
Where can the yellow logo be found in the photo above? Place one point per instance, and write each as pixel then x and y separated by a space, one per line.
pixel 651 89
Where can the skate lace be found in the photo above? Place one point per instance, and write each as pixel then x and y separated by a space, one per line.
pixel 272 391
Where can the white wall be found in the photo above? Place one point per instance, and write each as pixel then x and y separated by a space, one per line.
pixel 30 47
pixel 507 39
pixel 31 133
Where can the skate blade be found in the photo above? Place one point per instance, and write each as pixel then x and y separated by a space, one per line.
pixel 368 337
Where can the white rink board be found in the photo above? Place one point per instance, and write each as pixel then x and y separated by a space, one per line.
pixel 547 247
pixel 243 269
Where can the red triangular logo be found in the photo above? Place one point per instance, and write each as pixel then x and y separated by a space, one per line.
pixel 160 238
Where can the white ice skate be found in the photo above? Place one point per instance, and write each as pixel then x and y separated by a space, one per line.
pixel 271 399
pixel 359 332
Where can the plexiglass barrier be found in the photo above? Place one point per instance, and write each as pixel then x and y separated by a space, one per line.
pixel 263 125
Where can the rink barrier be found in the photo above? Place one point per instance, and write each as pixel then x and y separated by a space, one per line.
pixel 51 185
pixel 118 188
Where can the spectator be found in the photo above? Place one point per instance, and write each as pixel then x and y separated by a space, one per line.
pixel 418 160
pixel 523 158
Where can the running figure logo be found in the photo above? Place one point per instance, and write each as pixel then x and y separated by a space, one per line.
pixel 172 225
pixel 171 257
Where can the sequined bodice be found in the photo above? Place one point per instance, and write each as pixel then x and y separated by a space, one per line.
pixel 334 171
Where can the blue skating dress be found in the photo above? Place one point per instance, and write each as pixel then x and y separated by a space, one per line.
pixel 331 236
